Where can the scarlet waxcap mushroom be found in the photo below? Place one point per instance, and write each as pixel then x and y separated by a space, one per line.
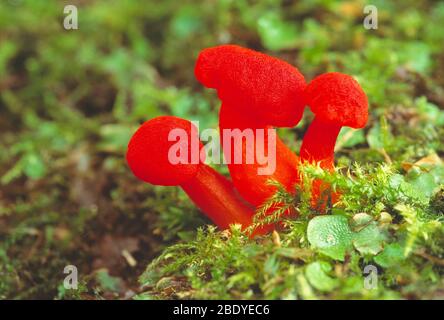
pixel 215 195
pixel 149 147
pixel 269 90
pixel 338 98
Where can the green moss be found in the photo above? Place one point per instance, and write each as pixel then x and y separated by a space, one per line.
pixel 307 252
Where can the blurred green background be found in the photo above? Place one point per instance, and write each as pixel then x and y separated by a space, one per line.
pixel 70 100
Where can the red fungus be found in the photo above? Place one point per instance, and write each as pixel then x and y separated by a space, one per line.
pixel 268 89
pixel 337 100
pixel 257 91
pixel 148 158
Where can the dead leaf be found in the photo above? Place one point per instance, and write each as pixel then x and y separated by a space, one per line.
pixel 428 161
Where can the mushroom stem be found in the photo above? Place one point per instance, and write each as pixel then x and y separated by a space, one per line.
pixel 216 197
pixel 252 186
pixel 318 144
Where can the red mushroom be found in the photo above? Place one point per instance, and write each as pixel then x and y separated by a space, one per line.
pixel 337 100
pixel 257 91
pixel 148 158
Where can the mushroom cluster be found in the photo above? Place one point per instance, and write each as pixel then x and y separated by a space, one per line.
pixel 257 91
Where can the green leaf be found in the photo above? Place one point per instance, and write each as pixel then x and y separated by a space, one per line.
pixel 423 184
pixel 392 255
pixel 396 180
pixel 438 174
pixel 369 240
pixel 331 235
pixel 411 192
pixel 316 274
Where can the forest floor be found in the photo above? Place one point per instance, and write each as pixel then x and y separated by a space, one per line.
pixel 70 100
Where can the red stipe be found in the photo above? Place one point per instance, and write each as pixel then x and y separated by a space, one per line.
pixel 147 157
pixel 215 195
pixel 253 187
pixel 319 143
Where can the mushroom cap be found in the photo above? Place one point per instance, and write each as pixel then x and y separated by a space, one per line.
pixel 338 98
pixel 268 90
pixel 148 152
